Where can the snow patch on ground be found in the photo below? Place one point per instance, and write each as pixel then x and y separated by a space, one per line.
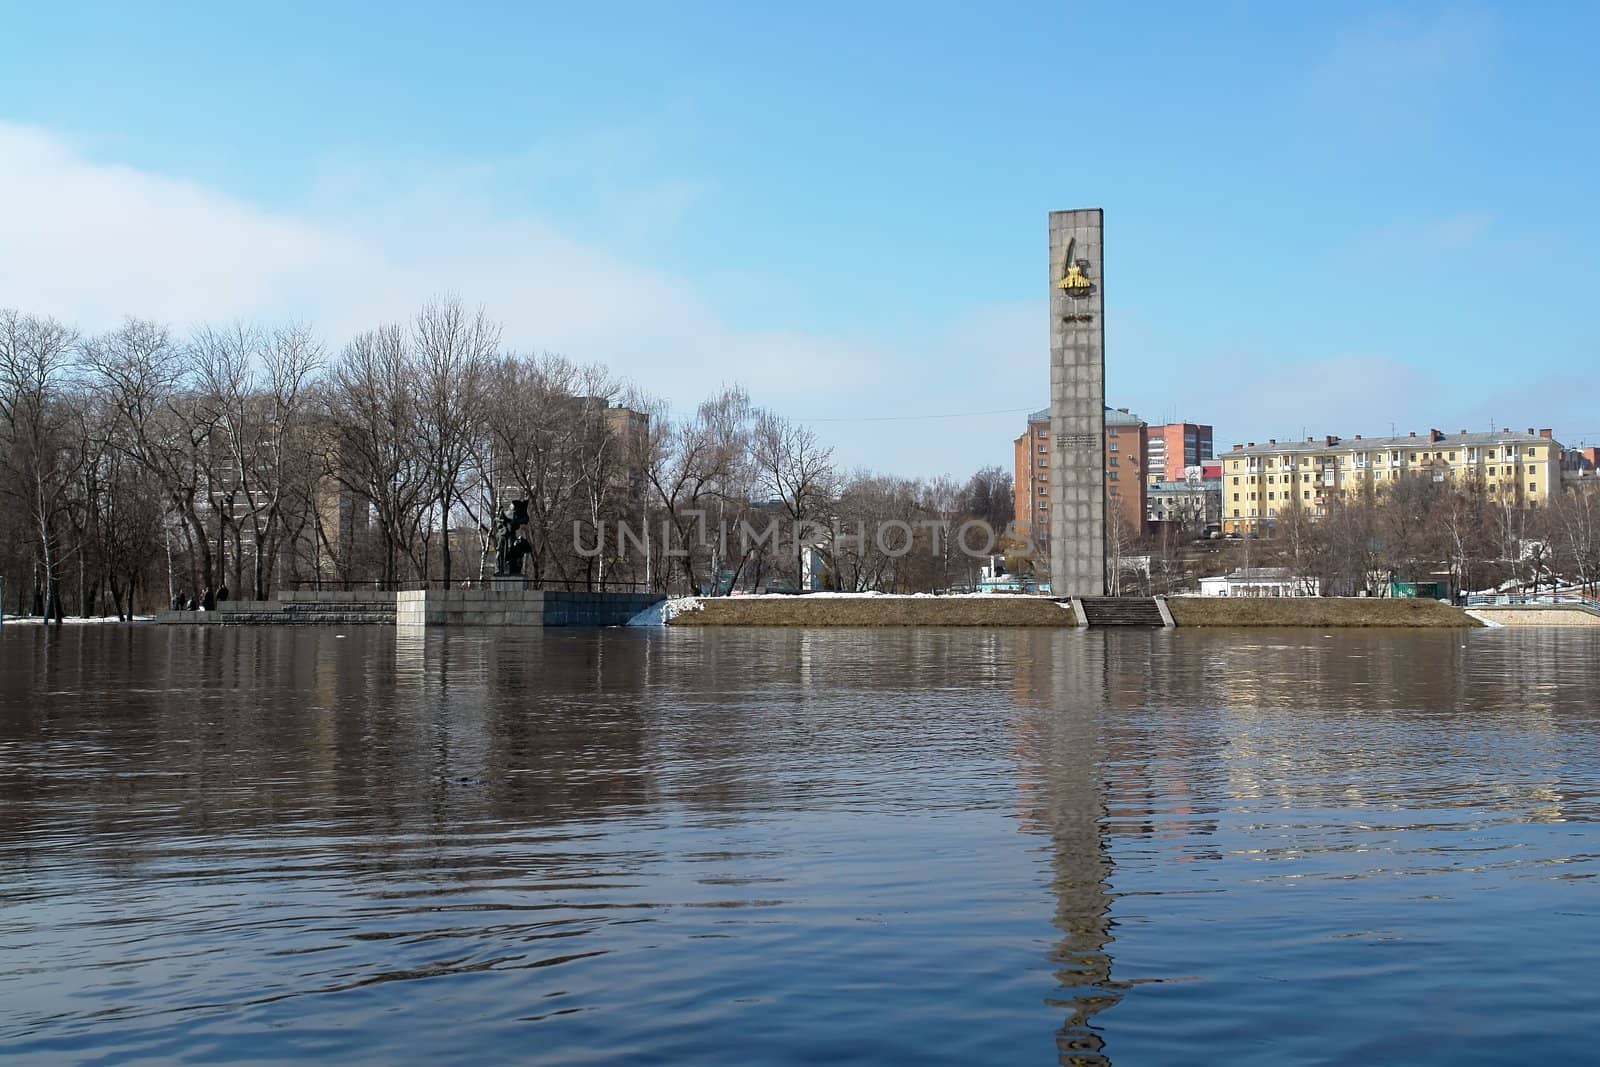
pixel 873 594
pixel 1486 620
pixel 664 612
pixel 14 620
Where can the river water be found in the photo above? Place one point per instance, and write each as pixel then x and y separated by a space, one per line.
pixel 742 846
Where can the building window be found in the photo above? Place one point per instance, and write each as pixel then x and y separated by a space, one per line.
pixel 1044 435
pixel 1112 475
pixel 1236 496
pixel 1272 496
pixel 1307 494
pixel 1043 505
pixel 1236 513
pixel 1045 449
pixel 1112 460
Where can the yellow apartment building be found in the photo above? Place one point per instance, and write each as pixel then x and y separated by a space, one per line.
pixel 1261 481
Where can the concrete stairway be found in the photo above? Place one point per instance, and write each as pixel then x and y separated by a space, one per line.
pixel 1123 611
pixel 328 613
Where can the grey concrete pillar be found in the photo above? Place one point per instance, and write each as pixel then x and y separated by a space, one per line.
pixel 1077 405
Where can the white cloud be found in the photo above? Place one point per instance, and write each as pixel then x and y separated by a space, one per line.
pixel 91 242
pixel 1390 70
pixel 1426 237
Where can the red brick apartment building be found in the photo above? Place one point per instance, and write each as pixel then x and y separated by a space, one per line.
pixel 1126 485
pixel 1172 447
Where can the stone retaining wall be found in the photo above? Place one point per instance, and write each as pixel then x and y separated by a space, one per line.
pixel 1537 615
pixel 516 606
pixel 996 609
pixel 1322 612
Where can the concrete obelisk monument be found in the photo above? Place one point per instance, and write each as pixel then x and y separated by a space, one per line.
pixel 1077 406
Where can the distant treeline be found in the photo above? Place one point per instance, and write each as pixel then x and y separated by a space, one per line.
pixel 138 465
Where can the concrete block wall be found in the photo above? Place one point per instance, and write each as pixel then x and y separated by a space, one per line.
pixel 470 607
pixel 518 607
pixel 594 609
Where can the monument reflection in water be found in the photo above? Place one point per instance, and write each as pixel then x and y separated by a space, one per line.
pixel 1060 753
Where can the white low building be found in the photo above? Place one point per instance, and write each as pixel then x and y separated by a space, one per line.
pixel 1260 582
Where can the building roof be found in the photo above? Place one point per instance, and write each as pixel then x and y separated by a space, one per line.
pixel 1363 444
pixel 1114 417
pixel 1122 417
pixel 1203 485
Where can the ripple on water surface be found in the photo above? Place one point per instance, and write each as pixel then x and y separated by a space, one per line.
pixel 766 846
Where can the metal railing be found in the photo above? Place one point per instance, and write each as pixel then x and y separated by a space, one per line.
pixel 1494 600
pixel 408 585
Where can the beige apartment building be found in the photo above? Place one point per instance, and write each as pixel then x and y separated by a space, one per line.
pixel 1260 481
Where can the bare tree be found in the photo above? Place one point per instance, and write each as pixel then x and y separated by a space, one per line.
pixel 1299 537
pixel 546 419
pixel 989 495
pixel 1574 527
pixel 1355 551
pixel 453 350
pixel 692 465
pixel 163 424
pixel 373 405
pixel 35 358
pixel 795 469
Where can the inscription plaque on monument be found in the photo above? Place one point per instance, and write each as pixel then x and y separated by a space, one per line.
pixel 1077 405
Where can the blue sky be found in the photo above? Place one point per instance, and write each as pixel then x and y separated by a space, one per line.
pixel 1331 221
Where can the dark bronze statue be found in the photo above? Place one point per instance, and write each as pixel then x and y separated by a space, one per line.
pixel 510 544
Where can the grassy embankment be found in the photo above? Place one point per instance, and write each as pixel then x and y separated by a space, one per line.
pixel 824 611
pixel 1331 612
pixel 821 611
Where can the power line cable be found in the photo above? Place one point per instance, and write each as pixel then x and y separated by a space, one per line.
pixel 914 418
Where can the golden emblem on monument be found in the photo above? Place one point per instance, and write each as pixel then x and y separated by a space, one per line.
pixel 1073 281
